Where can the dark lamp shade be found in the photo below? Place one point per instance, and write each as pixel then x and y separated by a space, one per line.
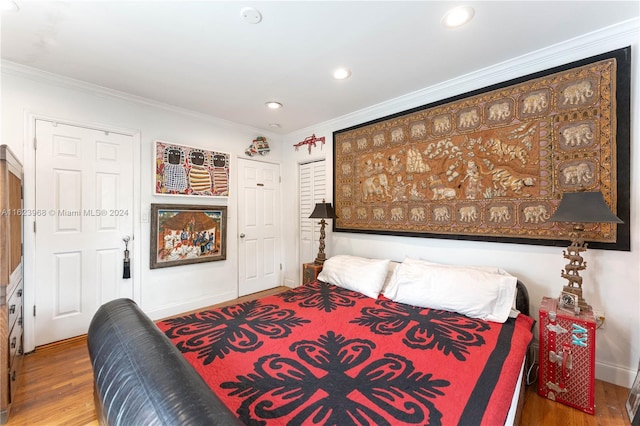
pixel 584 207
pixel 323 211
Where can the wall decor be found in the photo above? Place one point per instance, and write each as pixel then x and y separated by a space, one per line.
pixel 184 234
pixel 258 146
pixel 492 164
pixel 310 141
pixel 183 170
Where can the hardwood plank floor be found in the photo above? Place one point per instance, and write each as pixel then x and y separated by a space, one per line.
pixel 56 388
pixel 610 410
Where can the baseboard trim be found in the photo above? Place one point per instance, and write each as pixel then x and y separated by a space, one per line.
pixel 615 374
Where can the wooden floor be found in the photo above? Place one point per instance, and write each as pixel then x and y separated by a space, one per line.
pixel 56 388
pixel 610 409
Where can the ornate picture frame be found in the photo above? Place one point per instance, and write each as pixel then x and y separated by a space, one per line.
pixel 492 164
pixel 184 234
pixel 184 170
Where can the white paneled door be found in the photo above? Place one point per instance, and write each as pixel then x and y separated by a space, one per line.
pixel 84 192
pixel 258 226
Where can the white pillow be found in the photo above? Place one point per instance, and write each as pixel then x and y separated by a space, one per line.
pixel 355 273
pixel 391 286
pixel 469 291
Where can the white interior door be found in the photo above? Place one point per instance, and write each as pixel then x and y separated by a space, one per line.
pixel 258 226
pixel 84 191
pixel 313 183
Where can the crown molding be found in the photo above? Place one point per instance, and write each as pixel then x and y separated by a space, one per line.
pixel 38 75
pixel 601 41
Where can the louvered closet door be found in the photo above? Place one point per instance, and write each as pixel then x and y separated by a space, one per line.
pixel 312 190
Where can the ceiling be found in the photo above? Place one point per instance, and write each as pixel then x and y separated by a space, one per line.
pixel 203 56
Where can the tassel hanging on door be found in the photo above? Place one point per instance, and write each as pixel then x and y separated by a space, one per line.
pixel 126 272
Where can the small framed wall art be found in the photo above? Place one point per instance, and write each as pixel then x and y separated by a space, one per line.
pixel 185 234
pixel 184 170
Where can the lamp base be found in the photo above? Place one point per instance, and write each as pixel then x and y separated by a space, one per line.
pixel 571 271
pixel 321 257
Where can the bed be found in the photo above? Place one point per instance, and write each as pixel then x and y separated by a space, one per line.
pixel 371 342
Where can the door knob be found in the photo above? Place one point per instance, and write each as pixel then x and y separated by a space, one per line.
pixel 242 235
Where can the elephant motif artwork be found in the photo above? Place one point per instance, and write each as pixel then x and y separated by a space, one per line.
pixel 493 164
pixel 535 102
pixel 182 170
pixel 578 93
pixel 500 111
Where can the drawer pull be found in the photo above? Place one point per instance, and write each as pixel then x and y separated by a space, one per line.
pixel 13 376
pixel 12 309
pixel 13 343
pixel 20 321
pixel 19 293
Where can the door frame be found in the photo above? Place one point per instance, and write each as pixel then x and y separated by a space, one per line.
pixel 29 199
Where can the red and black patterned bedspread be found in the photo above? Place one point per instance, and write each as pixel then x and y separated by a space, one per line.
pixel 320 354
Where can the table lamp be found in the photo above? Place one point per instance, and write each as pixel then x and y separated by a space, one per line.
pixel 322 211
pixel 579 208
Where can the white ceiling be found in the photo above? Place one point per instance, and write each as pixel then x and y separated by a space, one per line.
pixel 202 56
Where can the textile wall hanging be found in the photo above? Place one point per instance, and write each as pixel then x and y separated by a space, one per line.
pixel 183 170
pixel 492 164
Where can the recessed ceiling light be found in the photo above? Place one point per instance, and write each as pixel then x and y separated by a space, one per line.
pixel 458 16
pixel 273 105
pixel 274 125
pixel 251 15
pixel 341 73
pixel 9 6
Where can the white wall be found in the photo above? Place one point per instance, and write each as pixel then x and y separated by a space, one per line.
pixel 612 282
pixel 160 292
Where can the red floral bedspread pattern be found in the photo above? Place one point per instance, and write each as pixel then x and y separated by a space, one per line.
pixel 320 354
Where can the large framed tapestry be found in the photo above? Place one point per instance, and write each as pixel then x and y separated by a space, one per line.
pixel 492 164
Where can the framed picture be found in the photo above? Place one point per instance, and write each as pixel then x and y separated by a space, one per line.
pixel 492 164
pixel 633 401
pixel 185 234
pixel 183 170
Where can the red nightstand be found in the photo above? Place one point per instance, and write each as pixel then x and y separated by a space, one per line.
pixel 567 356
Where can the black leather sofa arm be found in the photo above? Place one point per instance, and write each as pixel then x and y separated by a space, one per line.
pixel 141 378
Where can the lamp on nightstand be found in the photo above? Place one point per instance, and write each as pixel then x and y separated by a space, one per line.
pixel 322 211
pixel 579 208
